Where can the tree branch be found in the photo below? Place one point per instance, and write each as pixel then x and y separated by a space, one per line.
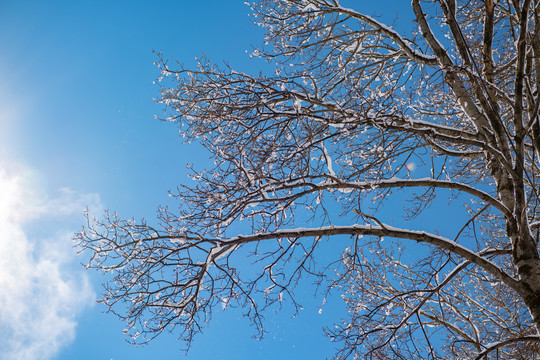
pixel 381 231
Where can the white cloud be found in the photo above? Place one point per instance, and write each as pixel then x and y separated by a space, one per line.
pixel 42 288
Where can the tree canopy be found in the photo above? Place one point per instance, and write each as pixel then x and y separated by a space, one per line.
pixel 311 152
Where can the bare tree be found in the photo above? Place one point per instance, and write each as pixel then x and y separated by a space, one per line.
pixel 309 155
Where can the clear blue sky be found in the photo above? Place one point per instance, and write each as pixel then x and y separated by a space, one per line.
pixel 76 130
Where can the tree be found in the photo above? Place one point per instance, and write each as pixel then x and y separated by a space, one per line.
pixel 309 155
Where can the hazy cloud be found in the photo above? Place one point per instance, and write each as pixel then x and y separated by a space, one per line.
pixel 42 288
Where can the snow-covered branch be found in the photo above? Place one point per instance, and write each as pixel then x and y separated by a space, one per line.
pixel 382 231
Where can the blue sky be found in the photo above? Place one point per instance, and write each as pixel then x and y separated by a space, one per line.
pixel 77 129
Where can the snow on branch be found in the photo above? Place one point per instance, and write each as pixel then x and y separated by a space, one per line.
pixel 382 231
pixel 496 345
pixel 405 45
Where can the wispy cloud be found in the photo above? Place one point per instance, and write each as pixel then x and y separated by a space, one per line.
pixel 42 289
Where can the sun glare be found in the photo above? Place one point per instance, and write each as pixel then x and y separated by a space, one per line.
pixel 20 192
pixel 11 116
pixel 9 193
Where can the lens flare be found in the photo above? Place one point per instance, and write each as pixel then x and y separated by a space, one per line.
pixel 410 166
